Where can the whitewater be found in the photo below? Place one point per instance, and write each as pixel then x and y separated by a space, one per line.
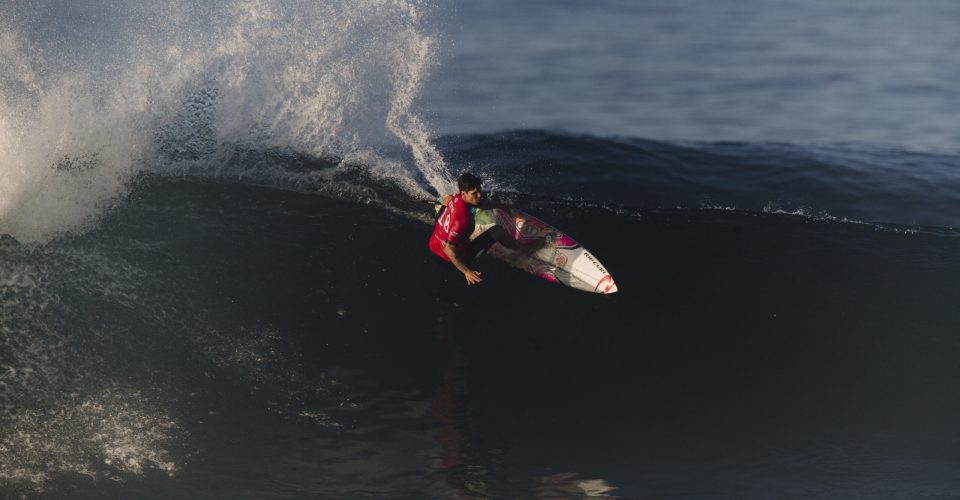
pixel 325 79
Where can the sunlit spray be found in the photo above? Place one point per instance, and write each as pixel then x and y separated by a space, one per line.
pixel 80 116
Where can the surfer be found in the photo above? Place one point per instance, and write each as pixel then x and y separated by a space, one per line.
pixel 455 223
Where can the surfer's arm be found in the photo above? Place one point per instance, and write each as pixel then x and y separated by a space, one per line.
pixel 471 275
pixel 490 204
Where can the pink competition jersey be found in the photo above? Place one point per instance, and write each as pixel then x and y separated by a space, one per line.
pixel 454 227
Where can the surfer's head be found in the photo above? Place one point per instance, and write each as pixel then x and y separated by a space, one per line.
pixel 469 186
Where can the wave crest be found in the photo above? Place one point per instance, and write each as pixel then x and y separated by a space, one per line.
pixel 323 78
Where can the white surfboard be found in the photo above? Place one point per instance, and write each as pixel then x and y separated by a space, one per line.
pixel 561 260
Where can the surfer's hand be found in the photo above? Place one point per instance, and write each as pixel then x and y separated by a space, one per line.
pixel 473 277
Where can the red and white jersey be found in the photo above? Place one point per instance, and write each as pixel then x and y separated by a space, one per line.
pixel 454 227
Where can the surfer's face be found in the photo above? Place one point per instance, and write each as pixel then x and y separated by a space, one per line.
pixel 472 197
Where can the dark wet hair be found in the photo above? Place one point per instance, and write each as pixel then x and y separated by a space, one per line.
pixel 468 182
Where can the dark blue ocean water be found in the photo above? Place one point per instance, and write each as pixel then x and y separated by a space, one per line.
pixel 214 278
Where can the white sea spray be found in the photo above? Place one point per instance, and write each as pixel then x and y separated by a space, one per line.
pixel 80 119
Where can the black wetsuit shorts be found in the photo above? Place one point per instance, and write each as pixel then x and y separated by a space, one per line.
pixel 477 247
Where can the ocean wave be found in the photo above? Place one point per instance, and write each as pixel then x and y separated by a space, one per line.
pixel 848 181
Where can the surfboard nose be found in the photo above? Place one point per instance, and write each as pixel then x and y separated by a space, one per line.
pixel 606 285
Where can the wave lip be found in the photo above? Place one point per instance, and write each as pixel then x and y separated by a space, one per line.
pixel 847 181
pixel 184 80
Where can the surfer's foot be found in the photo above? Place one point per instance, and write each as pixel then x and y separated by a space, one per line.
pixel 532 246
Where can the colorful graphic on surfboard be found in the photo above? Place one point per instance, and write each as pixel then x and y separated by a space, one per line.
pixel 561 260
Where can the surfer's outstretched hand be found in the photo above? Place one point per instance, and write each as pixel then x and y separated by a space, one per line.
pixel 473 277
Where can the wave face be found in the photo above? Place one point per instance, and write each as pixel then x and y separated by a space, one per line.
pixel 224 333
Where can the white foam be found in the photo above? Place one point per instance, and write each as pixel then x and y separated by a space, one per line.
pixel 333 78
pixel 823 216
pixel 59 413
pixel 30 354
pixel 259 357
pixel 111 435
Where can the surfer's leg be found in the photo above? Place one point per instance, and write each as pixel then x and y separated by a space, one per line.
pixel 478 246
pixel 500 235
pixel 532 246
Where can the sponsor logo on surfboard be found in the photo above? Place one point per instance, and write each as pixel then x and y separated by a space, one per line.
pixel 595 262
